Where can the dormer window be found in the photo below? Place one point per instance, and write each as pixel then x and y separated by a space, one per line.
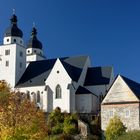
pixel 58 94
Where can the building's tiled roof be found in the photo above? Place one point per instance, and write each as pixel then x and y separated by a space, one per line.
pixel 98 76
pixel 134 86
pixel 37 72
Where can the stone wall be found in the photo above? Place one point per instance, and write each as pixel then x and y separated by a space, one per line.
pixel 128 113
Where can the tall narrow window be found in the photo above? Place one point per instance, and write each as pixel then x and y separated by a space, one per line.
pixel 21 53
pixel 28 95
pixel 111 113
pixel 58 92
pixel 38 96
pixel 7 63
pixel 20 64
pixel 127 113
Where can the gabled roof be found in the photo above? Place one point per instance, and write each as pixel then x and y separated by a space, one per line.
pixel 37 72
pixel 98 76
pixel 134 86
pixel 76 61
pixel 127 96
pixel 73 72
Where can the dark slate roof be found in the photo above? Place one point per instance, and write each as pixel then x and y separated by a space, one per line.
pixel 77 61
pixel 134 86
pixel 73 72
pixel 98 76
pixel 13 29
pixel 36 73
pixel 33 41
pixel 83 90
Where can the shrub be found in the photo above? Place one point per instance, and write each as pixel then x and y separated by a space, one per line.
pixel 130 135
pixel 114 129
pixel 70 129
pixel 57 129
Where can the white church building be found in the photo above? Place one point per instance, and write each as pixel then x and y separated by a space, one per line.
pixel 70 83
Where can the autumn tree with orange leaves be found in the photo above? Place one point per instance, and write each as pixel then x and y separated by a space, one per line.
pixel 19 118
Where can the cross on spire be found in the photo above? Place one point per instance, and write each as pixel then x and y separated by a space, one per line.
pixel 14 11
pixel 33 24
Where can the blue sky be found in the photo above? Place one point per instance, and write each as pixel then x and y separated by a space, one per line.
pixel 106 30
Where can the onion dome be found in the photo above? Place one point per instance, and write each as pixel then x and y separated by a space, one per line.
pixel 13 30
pixel 33 41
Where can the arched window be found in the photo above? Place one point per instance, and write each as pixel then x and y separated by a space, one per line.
pixel 58 92
pixel 28 95
pixel 38 97
pixel 33 97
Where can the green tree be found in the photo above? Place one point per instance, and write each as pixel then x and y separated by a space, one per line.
pixel 115 128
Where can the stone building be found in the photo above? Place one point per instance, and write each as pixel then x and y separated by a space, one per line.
pixel 122 99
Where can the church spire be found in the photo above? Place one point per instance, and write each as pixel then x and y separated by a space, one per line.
pixel 34 42
pixel 13 29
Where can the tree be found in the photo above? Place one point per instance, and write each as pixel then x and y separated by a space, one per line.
pixel 20 119
pixel 115 128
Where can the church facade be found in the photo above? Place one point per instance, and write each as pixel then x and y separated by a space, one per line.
pixel 70 83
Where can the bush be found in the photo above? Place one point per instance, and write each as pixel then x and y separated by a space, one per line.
pixel 70 129
pixel 130 135
pixel 114 129
pixel 58 129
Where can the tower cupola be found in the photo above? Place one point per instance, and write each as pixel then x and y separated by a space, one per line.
pixel 13 34
pixel 33 41
pixel 13 29
pixel 34 51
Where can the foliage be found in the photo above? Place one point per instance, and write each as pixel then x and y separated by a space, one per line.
pixel 59 137
pixel 55 117
pixel 114 129
pixel 130 135
pixel 20 119
pixel 95 126
pixel 62 122
pixel 70 129
pixel 57 129
pixel 70 124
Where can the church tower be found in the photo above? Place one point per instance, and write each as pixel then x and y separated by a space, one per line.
pixel 34 50
pixel 12 54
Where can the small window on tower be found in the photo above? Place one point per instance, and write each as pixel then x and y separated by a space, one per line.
pixel 14 40
pixel 7 40
pixel 7 64
pixel 28 51
pixel 21 54
pixel 7 52
pixel 20 64
pixel 34 51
